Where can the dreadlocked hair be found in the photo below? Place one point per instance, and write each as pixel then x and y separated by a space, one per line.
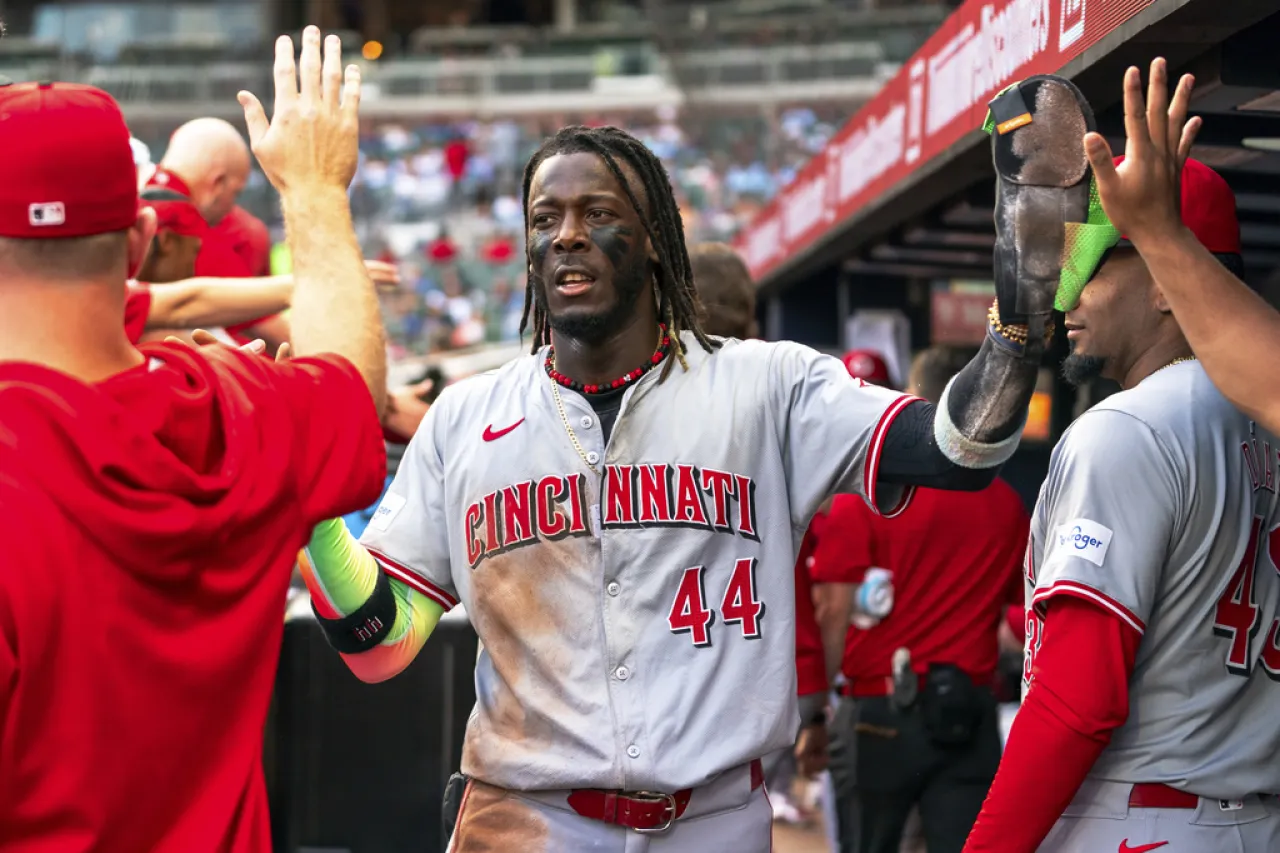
pixel 679 298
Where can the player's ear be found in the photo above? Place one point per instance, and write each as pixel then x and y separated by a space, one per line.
pixel 649 250
pixel 140 237
pixel 1158 299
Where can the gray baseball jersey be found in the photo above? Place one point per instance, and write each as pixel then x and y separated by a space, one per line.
pixel 1160 506
pixel 637 623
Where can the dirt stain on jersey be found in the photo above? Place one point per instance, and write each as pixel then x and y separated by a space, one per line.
pixel 495 821
pixel 524 611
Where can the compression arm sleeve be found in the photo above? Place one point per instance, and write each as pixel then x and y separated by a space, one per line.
pixel 912 457
pixel 340 575
pixel 1065 723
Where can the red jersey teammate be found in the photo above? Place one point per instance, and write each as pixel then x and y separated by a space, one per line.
pixel 154 500
pixel 930 739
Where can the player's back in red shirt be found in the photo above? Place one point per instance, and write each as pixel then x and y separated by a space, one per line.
pixel 150 524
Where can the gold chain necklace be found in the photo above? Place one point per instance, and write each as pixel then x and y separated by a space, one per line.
pixel 1181 360
pixel 564 419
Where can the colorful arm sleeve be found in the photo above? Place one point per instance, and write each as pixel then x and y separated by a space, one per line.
pixel 340 575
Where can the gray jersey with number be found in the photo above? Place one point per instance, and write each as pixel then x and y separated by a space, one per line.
pixel 638 624
pixel 1161 506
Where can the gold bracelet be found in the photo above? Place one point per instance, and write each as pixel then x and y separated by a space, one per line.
pixel 1016 334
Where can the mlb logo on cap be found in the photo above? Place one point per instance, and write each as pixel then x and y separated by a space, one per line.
pixel 49 213
pixel 67 169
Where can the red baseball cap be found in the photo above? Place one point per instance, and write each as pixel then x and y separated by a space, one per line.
pixel 1208 208
pixel 866 365
pixel 67 169
pixel 175 211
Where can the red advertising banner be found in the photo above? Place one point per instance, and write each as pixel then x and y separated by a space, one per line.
pixel 938 96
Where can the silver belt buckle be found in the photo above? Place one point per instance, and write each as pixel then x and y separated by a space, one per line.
pixel 657 797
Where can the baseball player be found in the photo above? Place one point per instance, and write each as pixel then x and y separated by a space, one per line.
pixel 1151 715
pixel 1231 329
pixel 620 511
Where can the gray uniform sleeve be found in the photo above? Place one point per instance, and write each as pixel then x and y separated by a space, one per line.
pixel 833 432
pixel 1108 514
pixel 409 532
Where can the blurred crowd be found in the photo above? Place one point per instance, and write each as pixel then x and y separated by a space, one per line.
pixel 442 200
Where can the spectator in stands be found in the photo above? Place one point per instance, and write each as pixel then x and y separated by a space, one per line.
pixel 727 296
pixel 1232 330
pixel 208 160
pixel 154 500
pixel 926 728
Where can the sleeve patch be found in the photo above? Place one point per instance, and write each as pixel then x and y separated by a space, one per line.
pixel 1086 539
pixel 388 510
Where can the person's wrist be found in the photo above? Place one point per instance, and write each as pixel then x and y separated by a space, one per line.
pixel 310 191
pixel 1160 232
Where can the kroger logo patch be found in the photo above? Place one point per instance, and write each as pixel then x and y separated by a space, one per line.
pixel 1086 539
pixel 387 511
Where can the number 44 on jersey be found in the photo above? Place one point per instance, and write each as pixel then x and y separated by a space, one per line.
pixel 740 604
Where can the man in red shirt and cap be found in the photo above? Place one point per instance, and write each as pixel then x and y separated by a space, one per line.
pixel 207 160
pixel 1234 333
pixel 928 588
pixel 155 498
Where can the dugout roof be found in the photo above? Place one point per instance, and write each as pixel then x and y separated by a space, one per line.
pixel 905 189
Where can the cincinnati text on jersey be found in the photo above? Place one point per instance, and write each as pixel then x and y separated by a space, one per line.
pixel 635 496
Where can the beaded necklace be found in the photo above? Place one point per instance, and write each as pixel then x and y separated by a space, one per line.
pixel 664 347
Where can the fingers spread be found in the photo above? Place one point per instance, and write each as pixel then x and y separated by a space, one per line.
pixel 351 91
pixel 1158 104
pixel 1188 139
pixel 1137 136
pixel 1178 109
pixel 285 73
pixel 282 354
pixel 255 117
pixel 309 66
pixel 332 71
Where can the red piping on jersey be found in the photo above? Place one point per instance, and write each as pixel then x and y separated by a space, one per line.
pixel 1088 593
pixel 411 579
pixel 871 467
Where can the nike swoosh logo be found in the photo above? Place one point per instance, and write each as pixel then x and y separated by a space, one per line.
pixel 491 434
pixel 1125 848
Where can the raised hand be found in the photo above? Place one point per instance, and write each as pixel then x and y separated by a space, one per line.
pixel 312 138
pixel 1141 195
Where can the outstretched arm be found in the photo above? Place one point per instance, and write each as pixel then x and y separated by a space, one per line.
pixel 960 443
pixel 1234 333
pixel 343 580
pixel 200 302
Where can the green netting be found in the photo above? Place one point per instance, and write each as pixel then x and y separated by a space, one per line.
pixel 1086 243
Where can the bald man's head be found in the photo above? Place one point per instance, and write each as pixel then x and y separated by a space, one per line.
pixel 211 156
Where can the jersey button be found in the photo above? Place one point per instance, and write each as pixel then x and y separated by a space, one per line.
pixel 586 422
pixel 613 588
pixel 633 751
pixel 623 673
pixel 593 457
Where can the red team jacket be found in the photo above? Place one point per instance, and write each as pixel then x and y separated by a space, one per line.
pixel 151 523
